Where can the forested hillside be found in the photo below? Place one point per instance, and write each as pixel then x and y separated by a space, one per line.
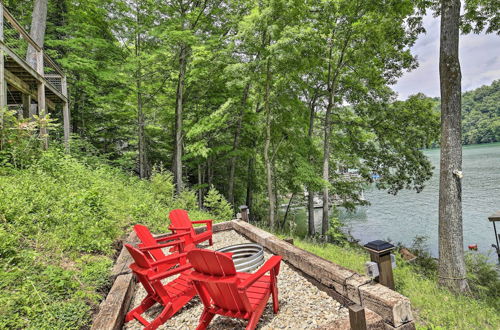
pixel 481 114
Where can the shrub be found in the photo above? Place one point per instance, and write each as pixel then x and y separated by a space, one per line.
pixel 59 218
pixel 425 263
pixel 186 200
pixel 483 278
pixel 335 234
pixel 218 205
pixel 162 184
pixel 19 139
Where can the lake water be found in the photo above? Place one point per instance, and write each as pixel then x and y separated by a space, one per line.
pixel 410 214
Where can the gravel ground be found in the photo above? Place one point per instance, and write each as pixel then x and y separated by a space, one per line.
pixel 302 304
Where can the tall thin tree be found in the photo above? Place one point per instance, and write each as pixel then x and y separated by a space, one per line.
pixel 140 111
pixel 451 253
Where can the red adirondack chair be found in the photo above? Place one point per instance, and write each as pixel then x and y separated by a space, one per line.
pixel 172 296
pixel 152 247
pixel 180 223
pixel 224 291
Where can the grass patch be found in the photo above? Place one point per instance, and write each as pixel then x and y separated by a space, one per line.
pixel 348 257
pixel 434 307
pixel 59 220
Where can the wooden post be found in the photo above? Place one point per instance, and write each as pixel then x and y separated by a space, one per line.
pixel 244 213
pixel 42 109
pixel 26 105
pixel 380 252
pixel 64 89
pixel 357 317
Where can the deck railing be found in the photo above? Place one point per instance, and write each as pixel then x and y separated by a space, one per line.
pixel 18 40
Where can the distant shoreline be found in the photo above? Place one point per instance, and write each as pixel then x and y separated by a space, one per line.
pixel 468 146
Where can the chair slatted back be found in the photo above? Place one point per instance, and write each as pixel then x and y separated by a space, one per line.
pixel 147 239
pixel 180 218
pixel 142 268
pixel 220 283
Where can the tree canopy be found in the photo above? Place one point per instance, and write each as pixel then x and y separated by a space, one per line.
pixel 259 99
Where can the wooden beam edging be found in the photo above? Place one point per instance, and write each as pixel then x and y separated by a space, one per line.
pixel 113 309
pixel 393 307
pixel 217 227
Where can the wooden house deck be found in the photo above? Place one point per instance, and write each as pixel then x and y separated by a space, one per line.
pixel 30 81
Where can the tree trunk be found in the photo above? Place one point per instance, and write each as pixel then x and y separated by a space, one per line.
pixel 143 172
pixel 326 143
pixel 200 189
pixel 140 113
pixel 267 145
pixel 451 252
pixel 250 178
pixel 179 102
pixel 332 89
pixel 310 192
pixel 37 31
pixel 287 211
pixel 310 212
pixel 237 133
pixel 326 167
pixel 210 172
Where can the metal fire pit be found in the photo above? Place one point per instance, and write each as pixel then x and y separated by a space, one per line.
pixel 246 257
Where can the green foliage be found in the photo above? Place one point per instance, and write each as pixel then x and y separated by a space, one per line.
pixel 427 265
pixel 218 205
pixel 186 200
pixel 60 217
pixel 481 114
pixel 481 15
pixel 483 278
pixel 162 184
pixel 334 233
pixel 348 256
pixel 136 47
pixel 20 140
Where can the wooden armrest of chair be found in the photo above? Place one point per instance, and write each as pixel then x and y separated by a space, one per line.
pixel 160 246
pixel 169 258
pixel 171 237
pixel 207 222
pixel 168 273
pixel 179 228
pixel 271 264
